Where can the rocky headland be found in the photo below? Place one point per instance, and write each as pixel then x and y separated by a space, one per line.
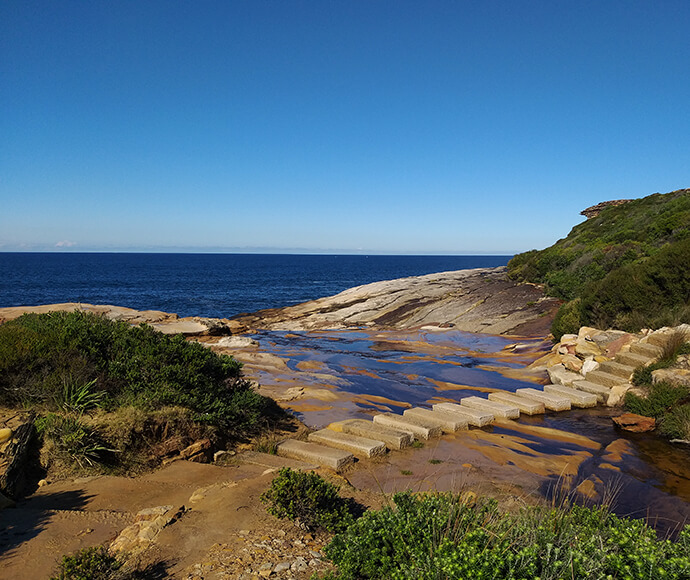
pixel 475 300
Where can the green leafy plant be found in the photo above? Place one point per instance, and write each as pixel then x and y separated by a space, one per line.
pixel 89 564
pixel 660 398
pixel 310 500
pixel 72 441
pixel 432 536
pixel 80 397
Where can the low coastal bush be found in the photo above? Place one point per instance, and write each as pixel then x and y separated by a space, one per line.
pixel 90 564
pixel 309 500
pixel 120 397
pixel 79 361
pixel 438 536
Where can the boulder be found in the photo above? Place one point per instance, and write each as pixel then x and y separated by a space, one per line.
pixel 236 342
pixel 635 423
pixel 617 395
pixel 589 365
pixel 676 377
pixel 198 451
pixel 586 347
pixel 572 363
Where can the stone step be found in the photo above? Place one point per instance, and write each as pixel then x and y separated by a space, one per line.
pixel 475 417
pixel 450 423
pixel 314 453
pixel 421 429
pixel 551 402
pixel 358 446
pixel 577 398
pixel 494 407
pixel 632 359
pixel 606 379
pixel 659 339
pixel 645 349
pixel 393 438
pixel 526 406
pixel 602 393
pixel 617 368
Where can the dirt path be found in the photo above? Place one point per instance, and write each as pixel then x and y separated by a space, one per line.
pixel 223 529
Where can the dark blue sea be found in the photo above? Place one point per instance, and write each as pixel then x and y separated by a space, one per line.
pixel 214 285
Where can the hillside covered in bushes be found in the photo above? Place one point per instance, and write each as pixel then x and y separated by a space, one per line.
pixel 627 267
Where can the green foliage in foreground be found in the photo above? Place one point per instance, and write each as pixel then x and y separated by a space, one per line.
pixel 310 500
pixel 89 564
pixel 626 268
pixel 438 536
pixel 73 361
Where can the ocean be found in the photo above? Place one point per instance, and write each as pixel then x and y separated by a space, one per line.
pixel 212 285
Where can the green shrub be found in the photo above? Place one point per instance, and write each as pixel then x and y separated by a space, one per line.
pixel 310 500
pixel 661 397
pixel 78 361
pixel 676 424
pixel 88 564
pixel 438 536
pixel 568 319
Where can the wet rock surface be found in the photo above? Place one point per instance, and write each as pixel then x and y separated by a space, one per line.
pixel 477 300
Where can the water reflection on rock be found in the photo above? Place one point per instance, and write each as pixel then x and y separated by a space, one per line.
pixel 327 376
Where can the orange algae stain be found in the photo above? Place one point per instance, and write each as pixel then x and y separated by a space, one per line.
pixel 616 450
pixel 507 452
pixel 446 386
pixel 310 365
pixel 377 400
pixel 548 434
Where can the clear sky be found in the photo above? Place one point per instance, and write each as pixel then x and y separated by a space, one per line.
pixel 462 127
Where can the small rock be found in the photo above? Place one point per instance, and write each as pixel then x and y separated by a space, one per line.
pixel 42 482
pixel 616 395
pixel 282 567
pixel 676 377
pixel 5 435
pixel 635 423
pixel 589 365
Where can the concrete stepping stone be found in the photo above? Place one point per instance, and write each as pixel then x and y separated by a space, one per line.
pixel 274 461
pixel 602 393
pixel 526 405
pixel 314 453
pixel 475 417
pixel 646 349
pixel 551 402
pixel 393 438
pixel 420 428
pixel 632 359
pixel 618 369
pixel 603 378
pixel 577 398
pixel 494 407
pixel 450 423
pixel 359 446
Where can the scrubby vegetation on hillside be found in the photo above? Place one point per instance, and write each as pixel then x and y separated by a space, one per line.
pixel 628 267
pixel 77 368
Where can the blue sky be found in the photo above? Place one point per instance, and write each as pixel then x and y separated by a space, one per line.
pixel 350 126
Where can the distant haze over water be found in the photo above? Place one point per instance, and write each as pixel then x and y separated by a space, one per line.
pixel 213 285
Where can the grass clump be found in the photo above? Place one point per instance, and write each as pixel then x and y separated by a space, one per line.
pixel 432 536
pixel 309 500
